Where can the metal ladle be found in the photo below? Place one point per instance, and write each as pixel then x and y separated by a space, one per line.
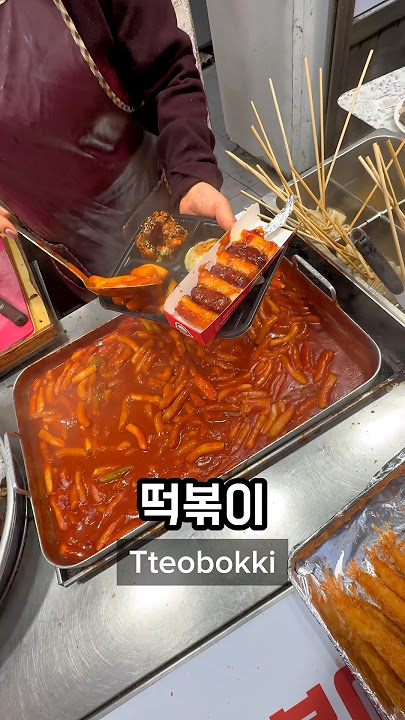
pixel 100 285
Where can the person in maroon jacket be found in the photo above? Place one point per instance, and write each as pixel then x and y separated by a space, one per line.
pixel 102 116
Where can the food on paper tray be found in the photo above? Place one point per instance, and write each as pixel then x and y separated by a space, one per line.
pixel 196 253
pixel 212 295
pixel 160 236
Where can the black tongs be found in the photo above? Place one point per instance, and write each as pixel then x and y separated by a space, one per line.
pixel 12 313
pixel 379 264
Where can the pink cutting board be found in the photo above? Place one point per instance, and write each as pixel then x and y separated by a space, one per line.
pixel 10 290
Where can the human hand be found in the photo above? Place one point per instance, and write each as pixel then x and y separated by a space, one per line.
pixel 6 226
pixel 204 199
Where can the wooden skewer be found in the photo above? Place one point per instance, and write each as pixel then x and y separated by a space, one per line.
pixel 300 212
pixel 319 236
pixel 287 188
pixel 373 172
pixel 291 226
pixel 396 163
pixel 270 153
pixel 373 169
pixel 349 114
pixel 282 194
pixel 261 126
pixel 262 176
pixel 342 232
pixel 259 200
pixel 339 229
pixel 266 147
pixel 400 215
pixel 314 232
pixel 370 195
pixel 322 133
pixel 290 222
pixel 302 215
pixel 314 131
pixel 245 165
pixel 280 120
pixel 378 159
pixel 299 209
pixel 390 188
pixel 370 170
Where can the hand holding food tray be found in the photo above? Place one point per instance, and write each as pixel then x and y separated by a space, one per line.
pixel 351 575
pixel 215 287
pixel 177 243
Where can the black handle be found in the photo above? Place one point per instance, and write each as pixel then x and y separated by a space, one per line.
pixel 12 313
pixel 377 261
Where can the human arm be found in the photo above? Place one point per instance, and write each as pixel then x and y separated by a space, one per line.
pixel 161 68
pixel 154 60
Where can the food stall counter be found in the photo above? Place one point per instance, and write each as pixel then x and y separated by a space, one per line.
pixel 77 652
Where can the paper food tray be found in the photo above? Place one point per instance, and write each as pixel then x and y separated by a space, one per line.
pixel 248 221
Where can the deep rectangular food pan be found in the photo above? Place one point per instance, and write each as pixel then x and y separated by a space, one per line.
pixel 349 333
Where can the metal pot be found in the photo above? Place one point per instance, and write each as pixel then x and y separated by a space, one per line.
pixel 13 512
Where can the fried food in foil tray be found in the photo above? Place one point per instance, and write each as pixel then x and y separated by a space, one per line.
pixel 351 575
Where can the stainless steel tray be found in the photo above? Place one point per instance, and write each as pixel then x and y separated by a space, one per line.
pixel 343 537
pixel 330 310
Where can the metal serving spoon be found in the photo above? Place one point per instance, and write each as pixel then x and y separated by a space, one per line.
pixel 147 276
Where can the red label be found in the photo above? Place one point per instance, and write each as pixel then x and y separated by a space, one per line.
pixel 344 685
pixel 315 702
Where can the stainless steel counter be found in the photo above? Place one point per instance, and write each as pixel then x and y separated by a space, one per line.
pixel 73 653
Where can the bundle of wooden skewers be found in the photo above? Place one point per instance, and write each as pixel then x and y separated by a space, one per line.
pixel 322 225
pixel 379 174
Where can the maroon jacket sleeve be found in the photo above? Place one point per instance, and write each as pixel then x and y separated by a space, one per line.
pixel 156 62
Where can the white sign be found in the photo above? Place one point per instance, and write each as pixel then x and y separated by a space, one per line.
pixel 278 666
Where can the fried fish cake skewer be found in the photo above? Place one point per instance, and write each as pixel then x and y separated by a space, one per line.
pixel 387 679
pixel 393 550
pixel 389 647
pixel 372 666
pixel 390 577
pixel 344 636
pixel 376 613
pixel 390 604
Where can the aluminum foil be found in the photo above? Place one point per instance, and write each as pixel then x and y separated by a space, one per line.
pixel 343 538
pixel 281 218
